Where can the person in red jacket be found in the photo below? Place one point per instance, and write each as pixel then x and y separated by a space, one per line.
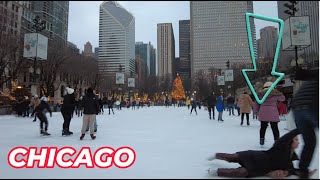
pixel 282 110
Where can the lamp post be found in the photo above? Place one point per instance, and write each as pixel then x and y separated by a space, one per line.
pixel 39 26
pixel 292 11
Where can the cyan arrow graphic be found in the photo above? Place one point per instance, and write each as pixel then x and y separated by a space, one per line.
pixel 273 71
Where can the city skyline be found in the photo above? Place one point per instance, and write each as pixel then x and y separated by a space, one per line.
pixel 146 20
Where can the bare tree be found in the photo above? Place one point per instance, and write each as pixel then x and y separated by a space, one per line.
pixel 201 84
pixel 52 67
pixel 11 59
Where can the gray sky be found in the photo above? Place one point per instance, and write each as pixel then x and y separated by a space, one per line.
pixel 84 19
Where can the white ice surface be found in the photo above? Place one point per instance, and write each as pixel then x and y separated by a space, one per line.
pixel 169 142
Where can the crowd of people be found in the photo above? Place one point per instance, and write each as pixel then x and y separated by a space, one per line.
pixel 277 160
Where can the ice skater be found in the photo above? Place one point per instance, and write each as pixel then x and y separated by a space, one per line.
pixel 193 106
pixel 275 162
pixel 40 113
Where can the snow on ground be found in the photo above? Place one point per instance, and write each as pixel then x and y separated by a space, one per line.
pixel 169 142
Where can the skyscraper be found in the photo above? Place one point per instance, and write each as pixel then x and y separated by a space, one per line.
pixel 218 34
pixel 55 14
pixel 88 50
pixel 152 60
pixel 143 51
pixel 116 40
pixel 11 13
pixel 166 49
pixel 268 42
pixel 184 52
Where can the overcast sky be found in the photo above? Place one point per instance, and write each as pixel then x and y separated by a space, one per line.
pixel 84 19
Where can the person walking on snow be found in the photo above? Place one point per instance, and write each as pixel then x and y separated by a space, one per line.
pixel 91 108
pixel 67 110
pixel 39 111
pixel 220 107
pixel 193 105
pixel 268 111
pixel 246 104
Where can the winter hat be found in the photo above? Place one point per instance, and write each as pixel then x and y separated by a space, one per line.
pixel 69 90
pixel 267 85
pixel 44 99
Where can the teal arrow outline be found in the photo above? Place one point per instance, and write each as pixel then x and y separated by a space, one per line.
pixel 275 60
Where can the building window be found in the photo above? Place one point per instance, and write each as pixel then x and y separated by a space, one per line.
pixel 17 8
pixel 12 6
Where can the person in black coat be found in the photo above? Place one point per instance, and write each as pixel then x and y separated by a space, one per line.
pixel 41 114
pixel 110 104
pixel 305 106
pixel 67 109
pixel 277 160
pixel 211 103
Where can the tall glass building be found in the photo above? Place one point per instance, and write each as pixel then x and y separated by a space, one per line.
pixel 116 40
pixel 218 34
pixel 56 14
pixel 184 53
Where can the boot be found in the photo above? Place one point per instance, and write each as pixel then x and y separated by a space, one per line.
pixel 92 136
pixel 65 132
pixel 248 123
pixel 41 131
pixel 45 133
pixel 261 141
pixel 241 122
pixel 82 136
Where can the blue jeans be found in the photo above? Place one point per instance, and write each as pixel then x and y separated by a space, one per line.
pixel 95 125
pixel 231 108
pixel 306 121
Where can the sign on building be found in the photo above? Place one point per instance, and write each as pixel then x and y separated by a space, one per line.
pixel 131 82
pixel 119 78
pixel 228 75
pixel 35 45
pixel 296 33
pixel 221 81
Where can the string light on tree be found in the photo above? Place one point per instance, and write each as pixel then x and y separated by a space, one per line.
pixel 178 92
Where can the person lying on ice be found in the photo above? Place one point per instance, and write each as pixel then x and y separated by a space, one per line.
pixel 275 162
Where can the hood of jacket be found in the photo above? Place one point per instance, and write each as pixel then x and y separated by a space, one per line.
pixel 274 92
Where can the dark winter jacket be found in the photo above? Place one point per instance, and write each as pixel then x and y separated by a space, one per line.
pixel 110 103
pixel 194 103
pixel 307 96
pixel 279 157
pixel 230 100
pixel 68 103
pixel 211 100
pixel 90 104
pixel 42 106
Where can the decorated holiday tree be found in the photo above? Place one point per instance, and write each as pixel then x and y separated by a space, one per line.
pixel 177 92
